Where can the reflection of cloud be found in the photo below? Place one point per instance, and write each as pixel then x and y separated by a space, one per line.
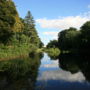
pixel 48 63
pixel 54 64
pixel 61 75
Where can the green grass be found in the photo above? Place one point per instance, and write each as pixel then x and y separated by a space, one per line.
pixel 53 51
pixel 15 51
pixel 11 52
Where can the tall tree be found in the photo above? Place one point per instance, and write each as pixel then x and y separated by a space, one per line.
pixel 68 39
pixel 29 24
pixel 30 29
pixel 85 37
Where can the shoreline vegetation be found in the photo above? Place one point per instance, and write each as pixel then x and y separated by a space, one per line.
pixel 53 52
pixel 73 41
pixel 13 52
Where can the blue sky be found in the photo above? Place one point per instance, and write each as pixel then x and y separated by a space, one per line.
pixel 52 16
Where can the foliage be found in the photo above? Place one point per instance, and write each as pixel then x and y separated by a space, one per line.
pixel 52 44
pixel 9 52
pixel 30 30
pixel 73 40
pixel 85 38
pixel 53 52
pixel 68 39
pixel 9 20
pixel 17 36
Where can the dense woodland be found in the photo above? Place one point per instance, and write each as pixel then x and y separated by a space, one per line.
pixel 14 29
pixel 73 40
pixel 16 33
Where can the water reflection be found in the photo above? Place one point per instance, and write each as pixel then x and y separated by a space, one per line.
pixel 76 63
pixel 19 74
pixel 67 73
pixel 52 57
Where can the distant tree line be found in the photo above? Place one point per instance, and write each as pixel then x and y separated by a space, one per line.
pixel 73 40
pixel 52 44
pixel 15 30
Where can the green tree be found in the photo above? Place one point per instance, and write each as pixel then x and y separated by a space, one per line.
pixel 30 30
pixel 85 37
pixel 52 44
pixel 9 21
pixel 68 39
pixel 29 25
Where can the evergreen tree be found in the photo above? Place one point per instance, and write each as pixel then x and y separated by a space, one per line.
pixel 30 30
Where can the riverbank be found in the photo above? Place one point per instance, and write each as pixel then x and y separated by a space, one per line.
pixel 52 51
pixel 12 52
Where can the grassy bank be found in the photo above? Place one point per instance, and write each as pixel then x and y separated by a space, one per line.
pixel 52 51
pixel 11 52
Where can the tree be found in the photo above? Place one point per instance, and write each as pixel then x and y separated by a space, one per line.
pixel 29 24
pixel 41 44
pixel 85 37
pixel 30 30
pixel 9 21
pixel 52 44
pixel 85 30
pixel 68 39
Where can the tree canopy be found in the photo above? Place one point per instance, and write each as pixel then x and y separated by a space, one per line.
pixel 73 39
pixel 15 30
pixel 52 44
pixel 9 20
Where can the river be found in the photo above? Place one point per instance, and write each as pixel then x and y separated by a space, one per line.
pixel 67 76
pixel 43 72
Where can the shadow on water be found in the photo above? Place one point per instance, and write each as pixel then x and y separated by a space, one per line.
pixel 75 63
pixel 19 74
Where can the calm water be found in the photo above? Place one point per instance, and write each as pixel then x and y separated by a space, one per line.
pixel 68 72
pixel 42 72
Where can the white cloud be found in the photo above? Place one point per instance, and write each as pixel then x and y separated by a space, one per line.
pixel 88 6
pixel 53 34
pixel 63 23
pixel 54 26
pixel 50 33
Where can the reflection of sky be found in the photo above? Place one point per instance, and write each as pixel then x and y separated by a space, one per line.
pixel 52 77
pixel 49 70
pixel 47 64
pixel 61 75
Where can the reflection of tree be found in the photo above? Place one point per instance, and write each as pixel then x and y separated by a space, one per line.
pixel 53 57
pixel 69 63
pixel 19 74
pixel 75 63
pixel 85 67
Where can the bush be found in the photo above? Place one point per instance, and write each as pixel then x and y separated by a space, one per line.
pixel 53 52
